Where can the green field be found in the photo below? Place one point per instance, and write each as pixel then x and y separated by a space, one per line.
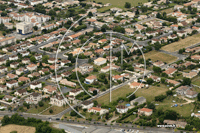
pixel 121 92
pixel 151 92
pixel 39 109
pixel 196 81
pixel 55 109
pixel 120 3
pixel 155 55
pixel 185 110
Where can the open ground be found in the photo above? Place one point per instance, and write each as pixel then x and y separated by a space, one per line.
pixel 18 128
pixel 182 43
pixel 155 55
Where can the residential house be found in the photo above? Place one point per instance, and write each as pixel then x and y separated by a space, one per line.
pixel 68 83
pixel 98 110
pixel 32 67
pixel 145 111
pixel 35 85
pixel 121 109
pixel 21 92
pixel 90 79
pixel 170 71
pixel 12 83
pixel 136 85
pixel 100 61
pixel 50 89
pixel 75 92
pixel 34 98
pixel 57 100
pixel 3 88
pixel 87 104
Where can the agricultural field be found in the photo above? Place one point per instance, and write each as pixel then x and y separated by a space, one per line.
pixel 182 43
pixel 18 128
pixel 155 55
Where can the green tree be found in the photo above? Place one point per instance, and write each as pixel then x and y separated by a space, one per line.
pixel 127 5
pixel 45 58
pixel 186 81
pixel 50 111
pixel 157 69
pixel 90 14
pixel 41 103
pixel 32 59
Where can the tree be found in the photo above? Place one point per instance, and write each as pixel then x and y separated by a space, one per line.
pixel 127 5
pixel 3 13
pixel 32 59
pixel 41 103
pixel 104 28
pixel 149 81
pixel 157 69
pixel 50 111
pixel 198 97
pixel 186 81
pixel 151 106
pixel 45 58
pixel 35 28
pixel 169 92
pixel 90 14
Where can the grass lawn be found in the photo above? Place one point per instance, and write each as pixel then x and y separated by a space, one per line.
pixel 182 43
pixel 169 10
pixel 121 3
pixel 130 118
pixel 39 109
pixel 185 110
pixel 155 55
pixel 151 92
pixel 196 81
pixel 103 9
pixel 121 92
pixel 18 128
pixel 55 109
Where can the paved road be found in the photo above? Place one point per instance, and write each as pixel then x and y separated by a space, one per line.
pixel 81 123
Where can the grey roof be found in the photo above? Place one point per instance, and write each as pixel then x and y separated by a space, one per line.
pixel 139 99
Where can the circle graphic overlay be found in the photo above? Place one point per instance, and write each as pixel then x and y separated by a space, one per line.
pixel 76 64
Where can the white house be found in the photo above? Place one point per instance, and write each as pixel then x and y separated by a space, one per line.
pixel 100 61
pixel 98 110
pixel 35 85
pixel 75 92
pixel 87 105
pixel 90 79
pixel 121 109
pixel 12 83
pixel 57 100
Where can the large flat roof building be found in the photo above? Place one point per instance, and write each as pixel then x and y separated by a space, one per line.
pixel 24 28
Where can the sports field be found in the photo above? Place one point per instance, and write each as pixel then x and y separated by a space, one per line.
pixel 183 43
pixel 155 55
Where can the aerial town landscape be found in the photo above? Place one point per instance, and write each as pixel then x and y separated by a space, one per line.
pixel 100 66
